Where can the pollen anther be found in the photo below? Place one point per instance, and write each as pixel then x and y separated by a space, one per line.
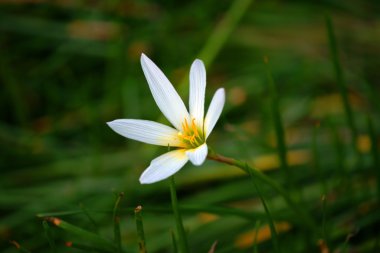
pixel 190 134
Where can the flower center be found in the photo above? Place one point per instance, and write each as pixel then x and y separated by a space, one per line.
pixel 191 135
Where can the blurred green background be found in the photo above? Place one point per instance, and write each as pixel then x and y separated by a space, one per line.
pixel 67 67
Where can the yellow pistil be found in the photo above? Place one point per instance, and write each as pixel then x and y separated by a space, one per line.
pixel 191 135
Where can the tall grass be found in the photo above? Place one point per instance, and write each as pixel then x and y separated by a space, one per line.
pixel 67 68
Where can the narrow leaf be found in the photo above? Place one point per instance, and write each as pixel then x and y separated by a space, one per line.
pixel 89 217
pixel 140 230
pixel 182 240
pixel 270 219
pixel 19 247
pixel 278 125
pixel 302 215
pixel 49 236
pixel 342 85
pixel 374 153
pixel 116 222
pixel 174 241
pixel 255 243
pixel 213 247
pixel 88 236
pixel 84 247
pixel 316 163
pixel 324 213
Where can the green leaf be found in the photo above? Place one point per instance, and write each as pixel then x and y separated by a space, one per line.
pixel 19 247
pixel 49 236
pixel 116 222
pixel 95 240
pixel 140 230
pixel 270 219
pixel 182 239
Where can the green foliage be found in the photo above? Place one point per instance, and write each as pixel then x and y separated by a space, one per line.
pixel 68 67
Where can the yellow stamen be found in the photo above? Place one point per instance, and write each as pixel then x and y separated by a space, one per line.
pixel 190 133
pixel 194 127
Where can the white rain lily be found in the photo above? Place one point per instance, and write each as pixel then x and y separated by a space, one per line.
pixel 190 130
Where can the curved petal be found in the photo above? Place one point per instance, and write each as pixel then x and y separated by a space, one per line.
pixel 164 166
pixel 167 99
pixel 146 131
pixel 214 111
pixel 197 92
pixel 197 155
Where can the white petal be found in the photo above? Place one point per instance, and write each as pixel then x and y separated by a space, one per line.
pixel 198 155
pixel 197 91
pixel 164 166
pixel 146 131
pixel 167 99
pixel 214 111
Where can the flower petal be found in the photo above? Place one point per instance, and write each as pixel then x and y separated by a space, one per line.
pixel 167 99
pixel 214 111
pixel 198 155
pixel 146 131
pixel 197 92
pixel 164 166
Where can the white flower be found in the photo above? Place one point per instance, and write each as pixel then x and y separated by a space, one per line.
pixel 190 130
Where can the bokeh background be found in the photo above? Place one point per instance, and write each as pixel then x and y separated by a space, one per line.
pixel 69 66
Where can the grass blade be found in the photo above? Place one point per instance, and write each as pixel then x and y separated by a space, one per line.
pixel 255 244
pixel 341 84
pixel 324 230
pixel 270 218
pixel 278 125
pixel 95 240
pixel 213 247
pixel 219 36
pixel 182 240
pixel 174 241
pixel 19 247
pixel 140 230
pixel 63 213
pixel 374 153
pixel 340 154
pixel 116 222
pixel 49 236
pixel 89 217
pixel 303 216
pixel 14 92
pixel 316 164
pixel 83 247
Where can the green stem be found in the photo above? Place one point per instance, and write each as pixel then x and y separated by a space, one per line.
pixel 278 125
pixel 316 164
pixel 255 243
pixel 174 241
pixel 87 214
pixel 49 236
pixel 140 230
pixel 270 218
pixel 223 30
pixel 302 215
pixel 19 247
pixel 95 240
pixel 219 37
pixel 375 153
pixel 342 85
pixel 324 213
pixel 116 220
pixel 182 240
